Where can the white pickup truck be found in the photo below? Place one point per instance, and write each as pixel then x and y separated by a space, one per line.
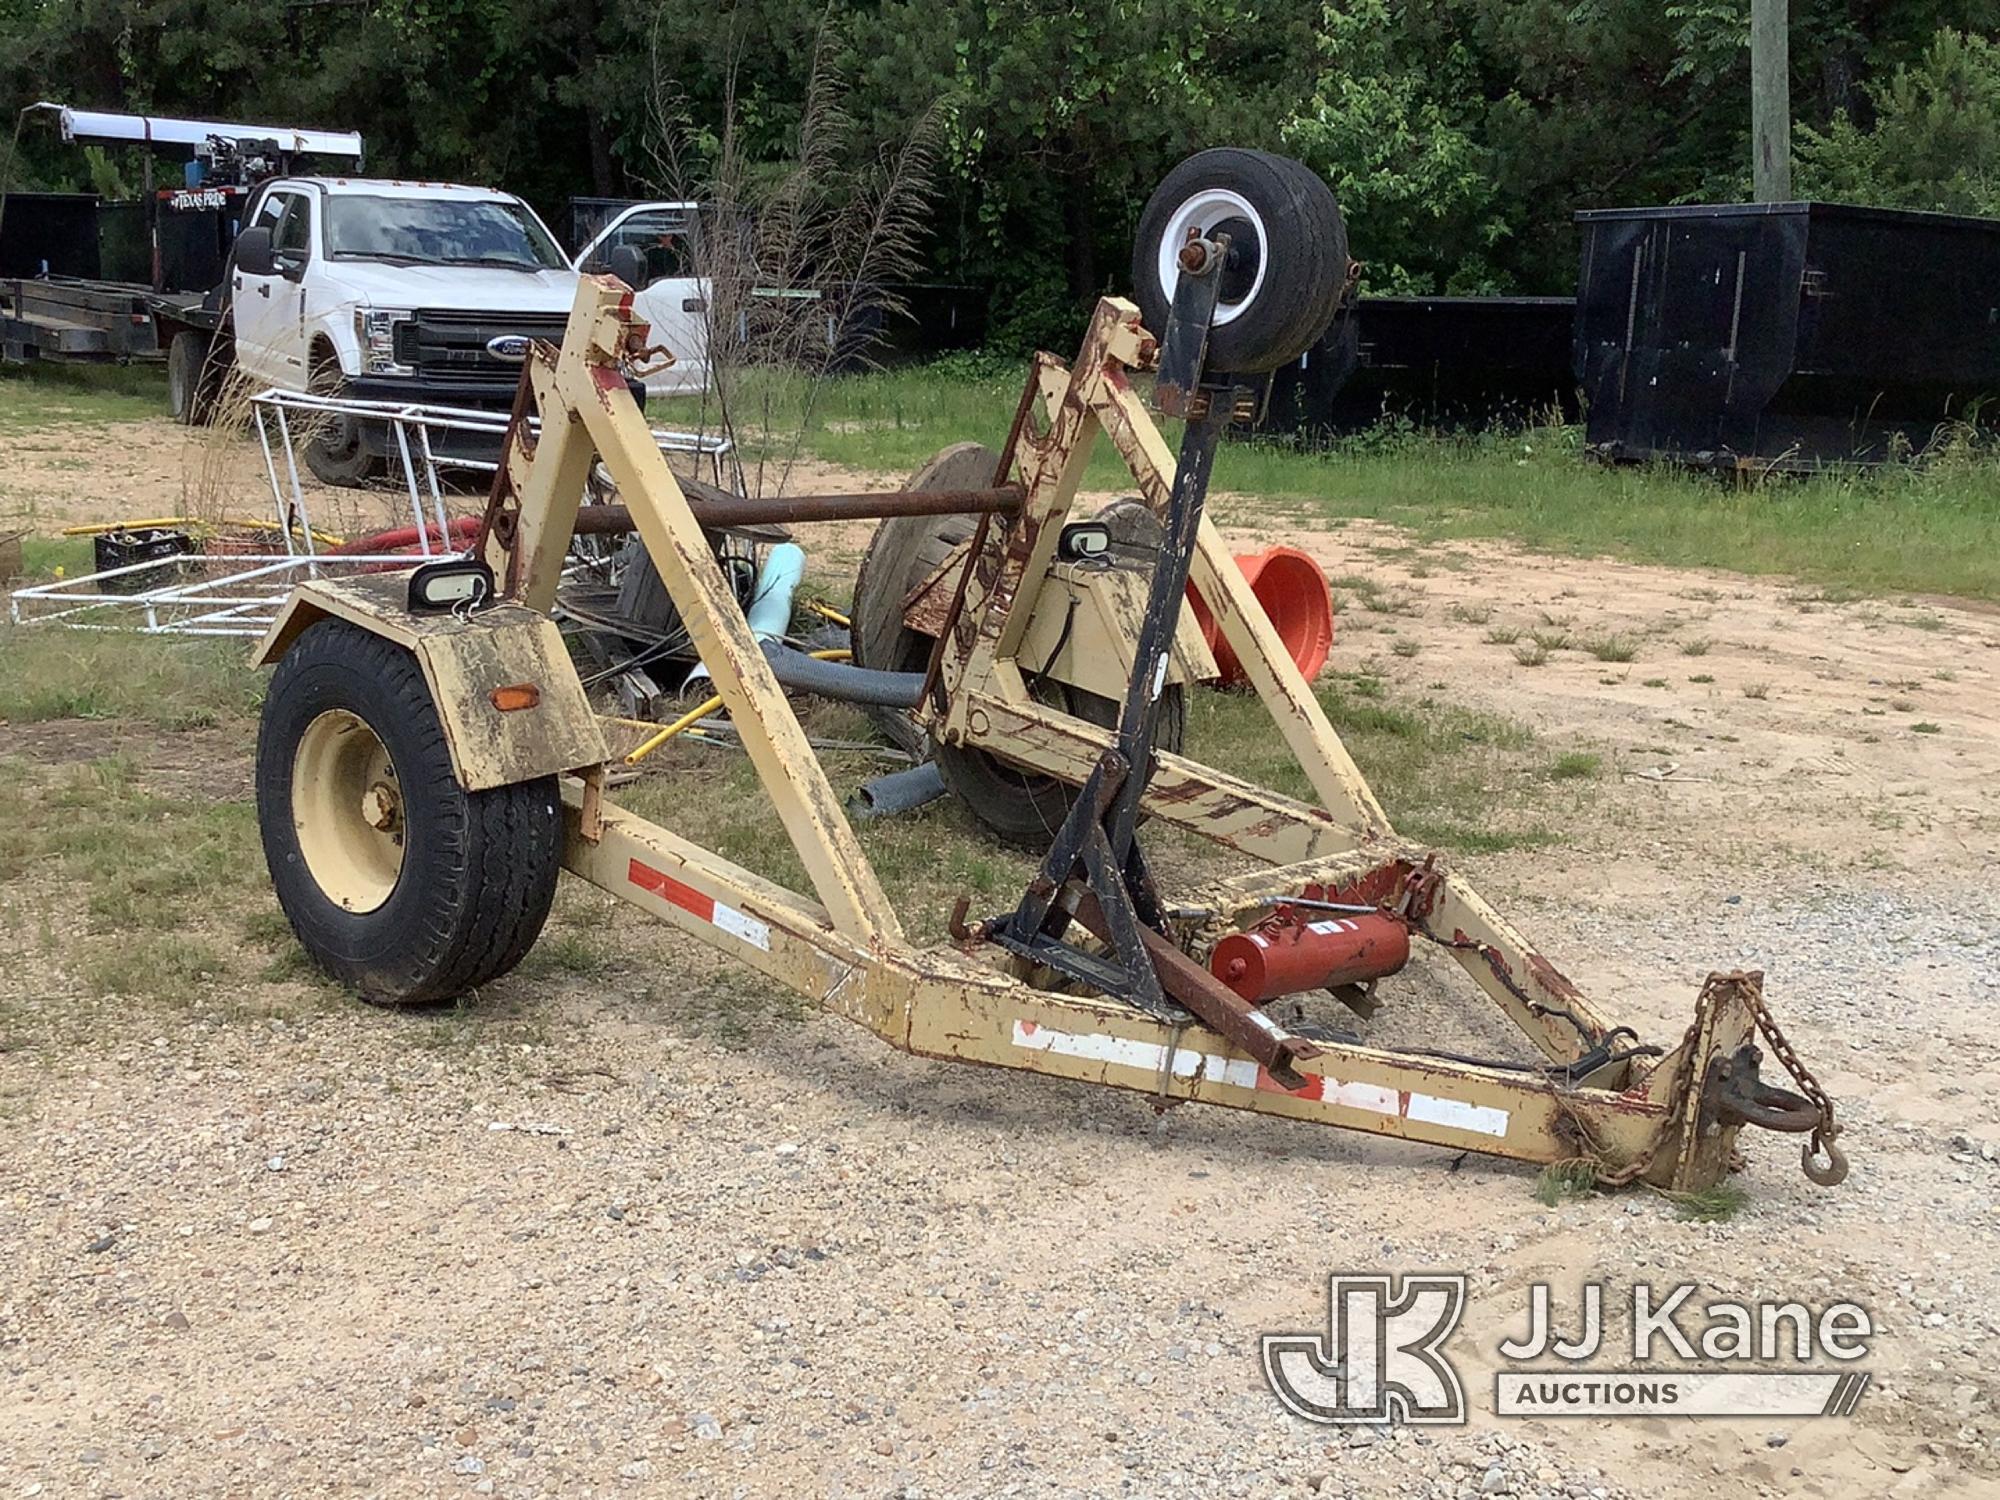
pixel 428 292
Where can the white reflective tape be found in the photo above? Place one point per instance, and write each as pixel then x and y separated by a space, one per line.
pixel 1244 1073
pixel 742 924
pixel 1093 1046
pixel 1128 1052
pixel 1457 1114
pixel 1369 1096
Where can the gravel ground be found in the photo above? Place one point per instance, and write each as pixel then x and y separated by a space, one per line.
pixel 581 1238
pixel 263 1257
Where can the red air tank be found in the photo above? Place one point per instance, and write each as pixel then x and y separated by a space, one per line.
pixel 1294 950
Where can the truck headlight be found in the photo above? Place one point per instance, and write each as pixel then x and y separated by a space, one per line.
pixel 375 328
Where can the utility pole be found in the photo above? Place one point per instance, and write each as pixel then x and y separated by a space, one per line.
pixel 1771 100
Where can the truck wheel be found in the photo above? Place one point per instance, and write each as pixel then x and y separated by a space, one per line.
pixel 335 452
pixel 194 376
pixel 1288 254
pixel 398 882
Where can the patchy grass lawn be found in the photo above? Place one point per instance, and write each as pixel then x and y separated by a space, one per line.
pixel 47 672
pixel 165 895
pixel 131 866
pixel 55 395
pixel 1902 530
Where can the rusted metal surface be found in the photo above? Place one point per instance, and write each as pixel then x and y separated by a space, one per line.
pixel 1228 1013
pixel 1743 1098
pixel 718 509
pixel 1672 1123
pixel 1551 979
pixel 496 537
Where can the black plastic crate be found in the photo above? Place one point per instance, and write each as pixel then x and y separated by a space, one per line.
pixel 120 549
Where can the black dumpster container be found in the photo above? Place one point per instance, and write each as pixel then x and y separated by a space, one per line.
pixel 1792 335
pixel 1453 362
pixel 49 234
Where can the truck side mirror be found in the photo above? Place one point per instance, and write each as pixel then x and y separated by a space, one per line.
pixel 254 256
pixel 628 264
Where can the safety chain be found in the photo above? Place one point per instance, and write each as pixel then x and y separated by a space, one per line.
pixel 1639 1165
pixel 1824 1133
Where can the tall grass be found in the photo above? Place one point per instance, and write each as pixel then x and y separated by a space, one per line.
pixel 47 672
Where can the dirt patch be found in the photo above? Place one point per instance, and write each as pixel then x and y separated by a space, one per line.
pixel 1747 718
pixel 195 763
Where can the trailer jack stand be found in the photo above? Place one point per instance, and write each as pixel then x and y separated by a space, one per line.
pixel 483 718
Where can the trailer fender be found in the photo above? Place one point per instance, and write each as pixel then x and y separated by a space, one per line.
pixel 505 688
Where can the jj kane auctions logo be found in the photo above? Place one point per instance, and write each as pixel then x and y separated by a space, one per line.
pixel 1382 1357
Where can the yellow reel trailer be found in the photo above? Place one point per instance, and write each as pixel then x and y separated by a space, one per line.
pixel 428 758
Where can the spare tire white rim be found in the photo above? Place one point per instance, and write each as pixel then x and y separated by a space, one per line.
pixel 1204 211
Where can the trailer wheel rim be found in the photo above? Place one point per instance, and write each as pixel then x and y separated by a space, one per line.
pixel 1204 211
pixel 347 806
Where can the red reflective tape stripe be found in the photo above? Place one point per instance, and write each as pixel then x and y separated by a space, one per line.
pixel 663 885
pixel 1313 1088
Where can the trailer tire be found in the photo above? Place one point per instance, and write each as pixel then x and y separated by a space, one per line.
pixel 193 378
pixel 1288 260
pixel 1024 807
pixel 398 882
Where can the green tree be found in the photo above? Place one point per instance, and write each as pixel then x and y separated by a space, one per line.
pixel 1061 119
pixel 1934 142
pixel 1392 124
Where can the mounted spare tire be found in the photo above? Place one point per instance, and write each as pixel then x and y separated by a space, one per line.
pixel 398 882
pixel 1287 259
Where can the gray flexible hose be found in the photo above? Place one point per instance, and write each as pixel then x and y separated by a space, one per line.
pixel 898 792
pixel 842 681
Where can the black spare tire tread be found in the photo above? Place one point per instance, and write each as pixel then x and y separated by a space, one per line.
pixel 1024 807
pixel 335 452
pixel 479 868
pixel 1305 255
pixel 190 383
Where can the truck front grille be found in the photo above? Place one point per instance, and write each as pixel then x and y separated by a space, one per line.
pixel 446 344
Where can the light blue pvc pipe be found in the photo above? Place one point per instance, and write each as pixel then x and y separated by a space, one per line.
pixel 770 611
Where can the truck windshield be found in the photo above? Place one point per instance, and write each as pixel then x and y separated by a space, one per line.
pixel 438 232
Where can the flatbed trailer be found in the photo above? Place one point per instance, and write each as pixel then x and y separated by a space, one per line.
pixel 57 303
pixel 83 321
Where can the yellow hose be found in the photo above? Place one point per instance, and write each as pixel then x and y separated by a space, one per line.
pixel 99 528
pixel 695 715
pixel 709 706
pixel 828 612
